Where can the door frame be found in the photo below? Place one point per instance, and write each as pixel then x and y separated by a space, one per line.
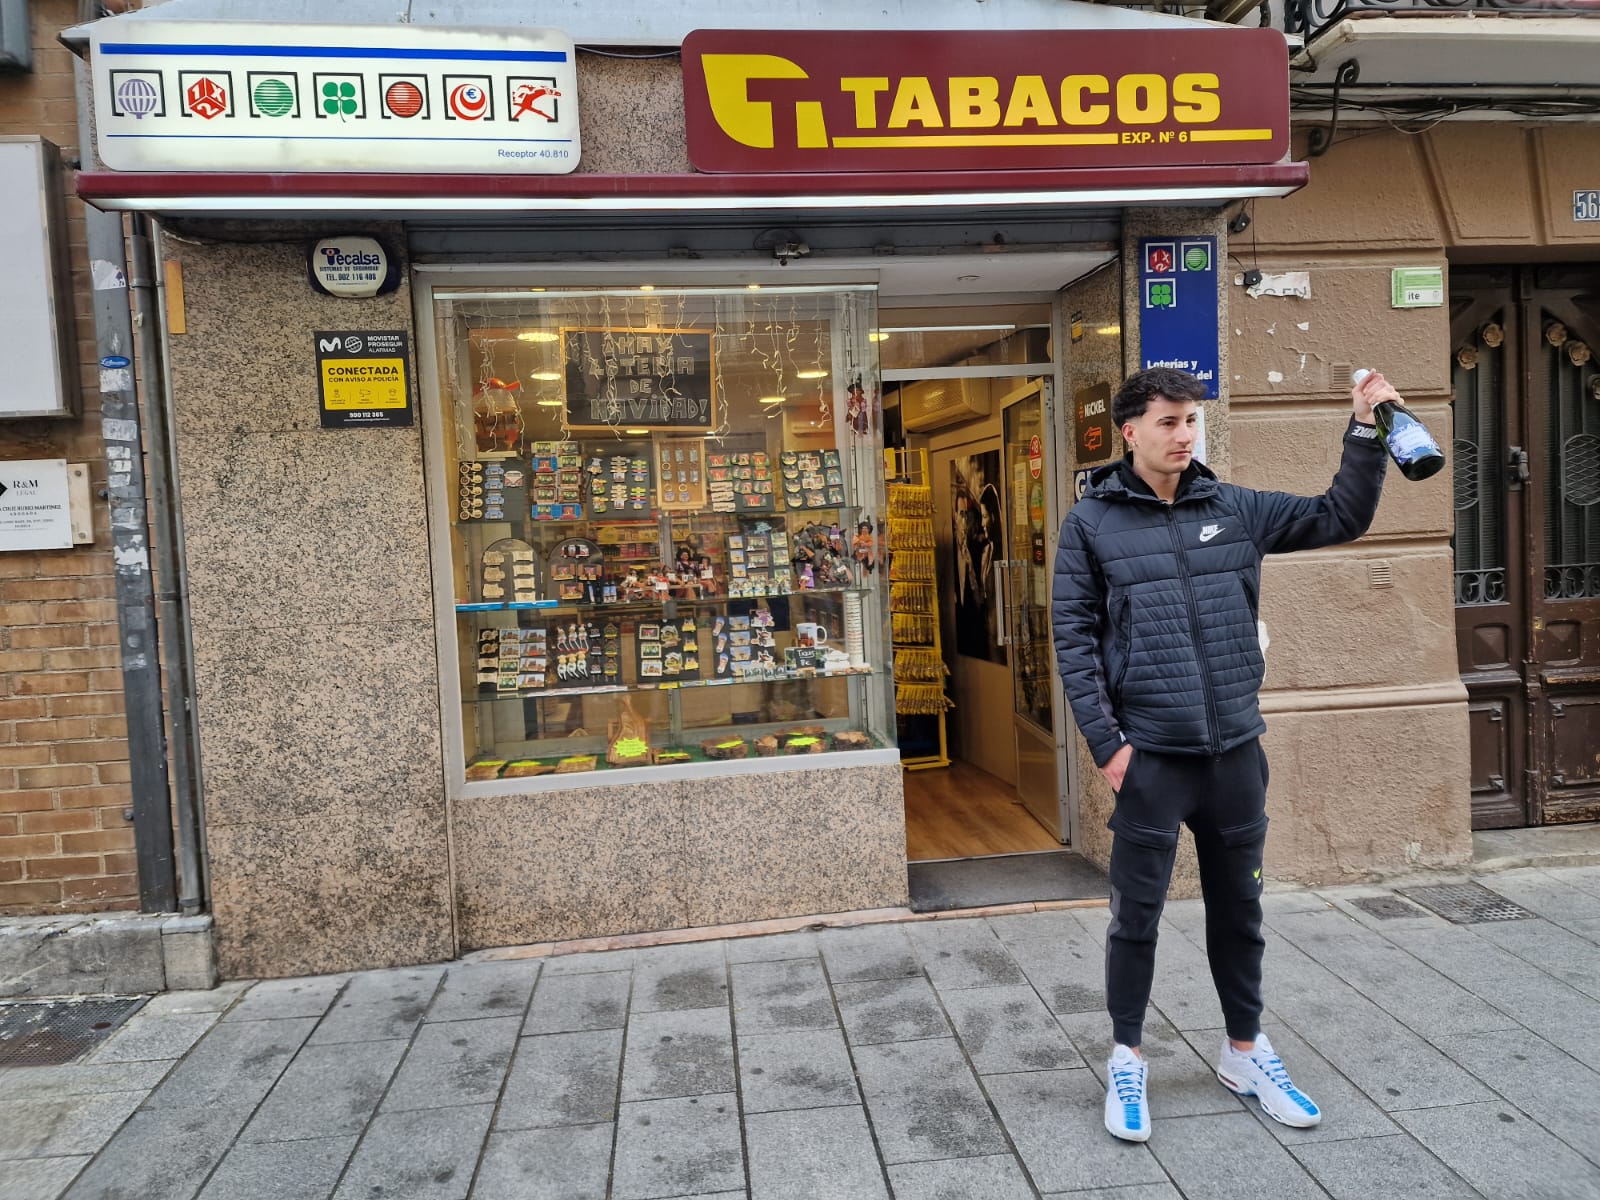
pixel 1056 740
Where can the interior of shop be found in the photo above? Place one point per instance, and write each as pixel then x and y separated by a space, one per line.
pixel 970 413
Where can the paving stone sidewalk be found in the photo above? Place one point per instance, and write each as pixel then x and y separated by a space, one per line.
pixel 957 1059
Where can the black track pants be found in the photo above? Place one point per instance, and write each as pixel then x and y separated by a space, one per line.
pixel 1223 801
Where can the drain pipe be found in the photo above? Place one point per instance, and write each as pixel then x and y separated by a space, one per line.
pixel 172 594
pixel 130 541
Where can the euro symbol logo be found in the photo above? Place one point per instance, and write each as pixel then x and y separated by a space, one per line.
pixel 750 122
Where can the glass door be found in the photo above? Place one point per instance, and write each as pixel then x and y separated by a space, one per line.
pixel 1030 462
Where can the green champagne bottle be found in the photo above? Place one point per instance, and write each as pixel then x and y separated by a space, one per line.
pixel 1408 441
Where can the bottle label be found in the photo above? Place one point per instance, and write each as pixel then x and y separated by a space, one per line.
pixel 1410 441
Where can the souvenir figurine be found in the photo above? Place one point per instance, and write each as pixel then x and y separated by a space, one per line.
pixel 864 548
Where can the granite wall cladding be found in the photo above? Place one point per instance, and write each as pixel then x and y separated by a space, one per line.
pixel 608 860
pixel 311 610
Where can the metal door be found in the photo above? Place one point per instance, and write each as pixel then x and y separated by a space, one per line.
pixel 1028 454
pixel 1527 538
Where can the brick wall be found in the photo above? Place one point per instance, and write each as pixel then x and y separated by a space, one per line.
pixel 64 842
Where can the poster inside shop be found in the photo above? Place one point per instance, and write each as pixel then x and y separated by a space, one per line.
pixel 362 377
pixel 639 378
pixel 1178 306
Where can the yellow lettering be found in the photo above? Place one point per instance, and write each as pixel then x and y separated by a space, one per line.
pixel 865 90
pixel 1195 101
pixel 1142 99
pixel 974 102
pixel 913 101
pixel 1073 90
pixel 1030 101
pixel 748 122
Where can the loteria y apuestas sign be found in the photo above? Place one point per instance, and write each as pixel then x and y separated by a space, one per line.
pixel 247 96
pixel 881 101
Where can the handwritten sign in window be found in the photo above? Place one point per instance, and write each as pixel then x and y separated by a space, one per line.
pixel 638 379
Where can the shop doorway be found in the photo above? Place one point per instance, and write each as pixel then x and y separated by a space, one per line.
pixel 974 397
pixel 1527 538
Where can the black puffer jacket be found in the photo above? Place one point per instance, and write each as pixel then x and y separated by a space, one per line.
pixel 1154 605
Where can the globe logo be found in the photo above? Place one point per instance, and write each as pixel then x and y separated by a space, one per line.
pixel 273 98
pixel 138 97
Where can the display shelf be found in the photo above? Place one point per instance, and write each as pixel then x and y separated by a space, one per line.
pixel 487 694
pixel 469 610
pixel 679 755
pixel 919 668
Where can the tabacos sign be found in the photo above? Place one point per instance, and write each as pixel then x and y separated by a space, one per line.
pixel 882 101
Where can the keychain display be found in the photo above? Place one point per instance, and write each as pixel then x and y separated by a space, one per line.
pixel 577 571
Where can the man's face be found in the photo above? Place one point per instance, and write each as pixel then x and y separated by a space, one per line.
pixel 1162 440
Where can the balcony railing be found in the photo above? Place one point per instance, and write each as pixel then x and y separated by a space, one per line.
pixel 1310 18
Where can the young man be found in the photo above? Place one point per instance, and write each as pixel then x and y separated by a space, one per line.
pixel 1155 614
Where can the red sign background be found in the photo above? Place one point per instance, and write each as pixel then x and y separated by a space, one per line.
pixel 764 101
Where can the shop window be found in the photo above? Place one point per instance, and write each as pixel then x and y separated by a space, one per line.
pixel 666 511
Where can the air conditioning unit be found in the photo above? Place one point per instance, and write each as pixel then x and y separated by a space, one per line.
pixel 935 403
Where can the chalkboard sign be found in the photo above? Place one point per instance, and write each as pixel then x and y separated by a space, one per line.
pixel 638 379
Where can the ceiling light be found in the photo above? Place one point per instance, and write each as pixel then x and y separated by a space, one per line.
pixel 538 335
pixel 647 287
pixel 878 335
pixel 635 432
pixel 754 287
pixel 773 399
pixel 814 373
pixel 947 328
pixel 548 403
pixel 546 376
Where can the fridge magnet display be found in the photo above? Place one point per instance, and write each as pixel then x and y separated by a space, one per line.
pixel 680 473
pixel 741 480
pixel 557 484
pixel 620 479
pixel 491 490
pixel 577 570
pixel 654 378
pixel 509 573
pixel 814 479
pixel 762 566
pixel 668 650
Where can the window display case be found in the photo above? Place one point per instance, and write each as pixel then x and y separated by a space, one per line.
pixel 665 512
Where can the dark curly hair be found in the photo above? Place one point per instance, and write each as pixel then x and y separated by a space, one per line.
pixel 1136 392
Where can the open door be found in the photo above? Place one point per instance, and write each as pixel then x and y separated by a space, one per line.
pixel 1030 461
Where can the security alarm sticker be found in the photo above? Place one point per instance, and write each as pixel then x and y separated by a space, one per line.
pixel 363 378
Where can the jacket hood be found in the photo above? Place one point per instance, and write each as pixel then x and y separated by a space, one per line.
pixel 1111 482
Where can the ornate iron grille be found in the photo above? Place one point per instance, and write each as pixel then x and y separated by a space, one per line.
pixel 1313 17
pixel 1478 450
pixel 1572 489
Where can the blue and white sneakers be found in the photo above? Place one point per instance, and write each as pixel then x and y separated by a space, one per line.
pixel 1260 1073
pixel 1127 1114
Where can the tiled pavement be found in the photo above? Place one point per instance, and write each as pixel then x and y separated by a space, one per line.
pixel 955 1059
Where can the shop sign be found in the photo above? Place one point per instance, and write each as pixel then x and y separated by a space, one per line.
pixel 1091 409
pixel 764 101
pixel 1416 287
pixel 1178 306
pixel 363 378
pixel 35 505
pixel 638 378
pixel 248 96
pixel 352 267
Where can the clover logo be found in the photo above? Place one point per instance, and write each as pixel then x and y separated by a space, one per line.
pixel 339 99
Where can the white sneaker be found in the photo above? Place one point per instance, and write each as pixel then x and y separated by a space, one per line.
pixel 1127 1114
pixel 1261 1073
